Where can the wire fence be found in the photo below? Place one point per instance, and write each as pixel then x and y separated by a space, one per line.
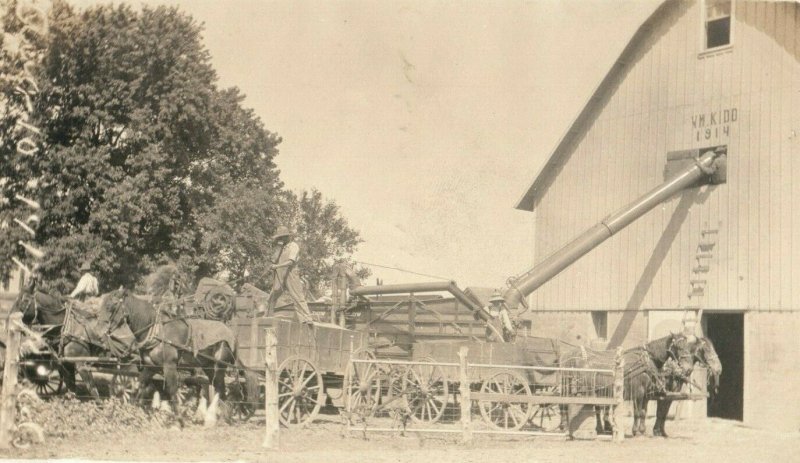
pixel 386 395
pixel 439 397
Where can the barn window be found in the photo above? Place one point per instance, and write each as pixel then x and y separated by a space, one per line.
pixel 717 15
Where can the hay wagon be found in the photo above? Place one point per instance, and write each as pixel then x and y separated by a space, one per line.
pixel 313 361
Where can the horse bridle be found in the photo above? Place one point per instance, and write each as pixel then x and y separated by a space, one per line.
pixel 676 358
pixel 116 306
pixel 151 328
pixel 29 299
pixel 707 357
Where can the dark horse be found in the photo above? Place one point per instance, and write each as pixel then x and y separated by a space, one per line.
pixel 703 353
pixel 166 341
pixel 52 312
pixel 644 366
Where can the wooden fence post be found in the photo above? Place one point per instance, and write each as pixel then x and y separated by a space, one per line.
pixel 8 405
pixel 253 343
pixel 466 400
pixel 271 413
pixel 619 395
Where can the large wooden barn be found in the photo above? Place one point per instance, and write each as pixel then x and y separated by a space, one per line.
pixel 694 75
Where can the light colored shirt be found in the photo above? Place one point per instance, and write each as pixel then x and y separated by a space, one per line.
pixel 289 252
pixel 87 285
pixel 502 315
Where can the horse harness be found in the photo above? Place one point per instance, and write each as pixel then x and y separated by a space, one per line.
pixel 154 335
pixel 69 321
pixel 153 329
pixel 36 310
pixel 670 368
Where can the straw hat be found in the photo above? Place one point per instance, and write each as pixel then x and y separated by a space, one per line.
pixel 282 231
pixel 86 266
pixel 496 297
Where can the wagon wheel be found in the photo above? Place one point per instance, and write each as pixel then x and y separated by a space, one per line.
pixel 45 376
pixel 363 384
pixel 300 393
pixel 426 391
pixel 125 383
pixel 546 417
pixel 395 400
pixel 501 414
pixel 396 378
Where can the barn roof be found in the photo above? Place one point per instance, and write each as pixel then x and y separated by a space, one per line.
pixel 590 108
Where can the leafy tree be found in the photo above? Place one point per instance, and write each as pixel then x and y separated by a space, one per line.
pixel 142 160
pixel 138 145
pixel 325 236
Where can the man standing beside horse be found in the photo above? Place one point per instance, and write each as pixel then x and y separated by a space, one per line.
pixel 286 277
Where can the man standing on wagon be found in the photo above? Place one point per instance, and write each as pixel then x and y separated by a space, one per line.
pixel 499 326
pixel 286 278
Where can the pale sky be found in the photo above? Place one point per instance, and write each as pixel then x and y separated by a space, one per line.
pixel 425 121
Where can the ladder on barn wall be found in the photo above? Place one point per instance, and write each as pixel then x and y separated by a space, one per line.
pixel 700 269
pixel 698 282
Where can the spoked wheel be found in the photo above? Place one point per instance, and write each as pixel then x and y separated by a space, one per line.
pixel 125 383
pixel 426 391
pixel 300 393
pixel 396 383
pixel 546 417
pixel 501 414
pixel 363 384
pixel 393 390
pixel 45 375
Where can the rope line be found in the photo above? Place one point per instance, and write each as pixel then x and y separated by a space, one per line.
pixel 401 270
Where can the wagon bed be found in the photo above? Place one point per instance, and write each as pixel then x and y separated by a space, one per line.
pixel 312 361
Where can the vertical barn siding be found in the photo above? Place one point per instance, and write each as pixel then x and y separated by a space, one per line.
pixel 770 386
pixel 620 153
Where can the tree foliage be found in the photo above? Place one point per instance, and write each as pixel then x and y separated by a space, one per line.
pixel 142 159
pixel 325 237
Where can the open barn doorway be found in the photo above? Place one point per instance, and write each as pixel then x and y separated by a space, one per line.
pixel 726 331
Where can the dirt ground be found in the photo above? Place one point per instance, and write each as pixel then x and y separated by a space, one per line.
pixel 706 440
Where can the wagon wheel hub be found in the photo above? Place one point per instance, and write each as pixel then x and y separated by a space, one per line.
pixel 426 391
pixel 300 391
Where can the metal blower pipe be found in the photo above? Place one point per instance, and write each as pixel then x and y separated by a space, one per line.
pixel 528 282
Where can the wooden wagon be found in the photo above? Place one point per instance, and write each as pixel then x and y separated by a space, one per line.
pixel 313 361
pixel 419 336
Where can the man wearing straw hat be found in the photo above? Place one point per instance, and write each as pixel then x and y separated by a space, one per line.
pixel 286 278
pixel 87 286
pixel 499 327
